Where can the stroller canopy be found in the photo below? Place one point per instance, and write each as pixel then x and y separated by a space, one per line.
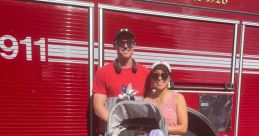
pixel 134 115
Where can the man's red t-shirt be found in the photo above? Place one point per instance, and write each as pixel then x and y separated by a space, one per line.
pixel 108 82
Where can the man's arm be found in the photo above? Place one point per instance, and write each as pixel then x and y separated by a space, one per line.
pixel 99 104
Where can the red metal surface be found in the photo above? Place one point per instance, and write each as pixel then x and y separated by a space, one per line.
pixel 42 97
pixel 171 33
pixel 157 33
pixel 179 34
pixel 249 93
pixel 234 5
pixel 231 5
pixel 248 106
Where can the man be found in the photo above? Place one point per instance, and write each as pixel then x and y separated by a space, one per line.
pixel 120 78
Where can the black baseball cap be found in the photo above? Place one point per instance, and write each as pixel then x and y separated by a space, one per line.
pixel 124 34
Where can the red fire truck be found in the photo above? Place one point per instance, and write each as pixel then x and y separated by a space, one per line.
pixel 50 50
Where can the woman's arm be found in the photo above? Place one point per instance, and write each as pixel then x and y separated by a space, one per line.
pixel 182 117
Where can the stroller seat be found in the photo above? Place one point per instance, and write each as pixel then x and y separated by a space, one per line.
pixel 127 118
pixel 138 125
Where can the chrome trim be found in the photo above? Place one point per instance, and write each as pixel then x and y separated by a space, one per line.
pixel 91 66
pixel 239 79
pixel 226 89
pixel 203 92
pixel 244 23
pixel 250 23
pixel 234 55
pixel 167 14
pixel 100 38
pixel 68 2
pixel 91 47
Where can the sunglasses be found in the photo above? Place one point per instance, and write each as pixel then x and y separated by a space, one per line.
pixel 122 43
pixel 164 76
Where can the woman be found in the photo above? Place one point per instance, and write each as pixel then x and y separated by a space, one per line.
pixel 171 104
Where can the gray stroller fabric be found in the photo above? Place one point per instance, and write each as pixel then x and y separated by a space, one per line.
pixel 131 116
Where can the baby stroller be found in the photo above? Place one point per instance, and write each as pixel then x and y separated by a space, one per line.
pixel 128 118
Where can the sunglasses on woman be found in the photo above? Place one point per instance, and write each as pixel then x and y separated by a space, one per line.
pixel 164 76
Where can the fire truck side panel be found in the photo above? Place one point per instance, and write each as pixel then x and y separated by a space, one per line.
pixel 168 39
pixel 161 35
pixel 47 58
pixel 43 69
pixel 249 88
pixel 199 49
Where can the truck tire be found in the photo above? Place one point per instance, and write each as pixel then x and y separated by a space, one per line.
pixel 199 125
